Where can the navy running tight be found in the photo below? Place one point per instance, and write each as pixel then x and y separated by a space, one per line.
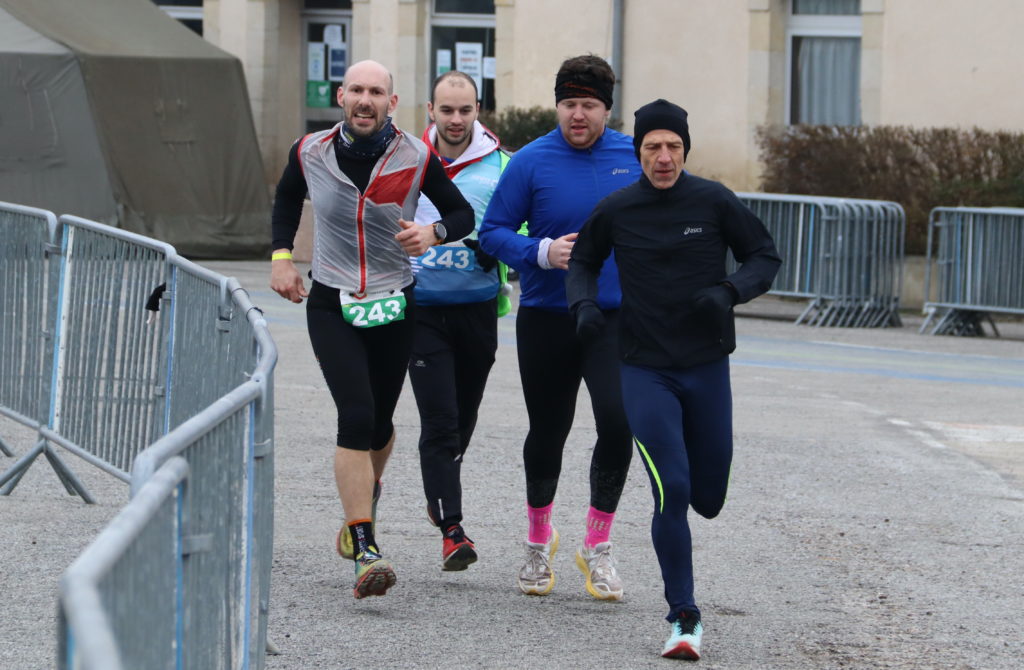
pixel 682 425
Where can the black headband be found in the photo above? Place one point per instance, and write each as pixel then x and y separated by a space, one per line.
pixel 573 85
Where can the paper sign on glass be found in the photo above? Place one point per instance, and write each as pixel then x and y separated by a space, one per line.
pixel 332 35
pixel 315 62
pixel 338 63
pixel 444 61
pixel 469 58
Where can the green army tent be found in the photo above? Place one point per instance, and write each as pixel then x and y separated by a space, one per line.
pixel 113 111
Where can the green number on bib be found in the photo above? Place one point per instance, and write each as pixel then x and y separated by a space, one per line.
pixel 368 313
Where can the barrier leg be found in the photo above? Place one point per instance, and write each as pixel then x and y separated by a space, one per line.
pixel 992 322
pixel 71 482
pixel 814 304
pixel 929 315
pixel 940 325
pixel 4 449
pixel 964 323
pixel 9 479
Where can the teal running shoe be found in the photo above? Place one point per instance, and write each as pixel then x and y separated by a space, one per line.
pixel 684 641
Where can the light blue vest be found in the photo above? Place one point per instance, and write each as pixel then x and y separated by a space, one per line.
pixel 448 274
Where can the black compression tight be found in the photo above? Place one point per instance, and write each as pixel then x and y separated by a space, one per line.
pixel 364 367
pixel 552 362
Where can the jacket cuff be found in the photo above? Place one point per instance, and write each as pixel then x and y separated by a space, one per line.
pixel 542 253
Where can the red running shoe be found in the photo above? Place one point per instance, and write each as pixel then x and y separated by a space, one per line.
pixel 458 550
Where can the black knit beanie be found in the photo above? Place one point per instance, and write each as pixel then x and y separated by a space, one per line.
pixel 660 115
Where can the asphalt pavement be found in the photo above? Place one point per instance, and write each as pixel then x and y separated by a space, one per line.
pixel 875 519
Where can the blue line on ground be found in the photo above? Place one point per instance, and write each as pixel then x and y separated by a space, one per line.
pixel 879 361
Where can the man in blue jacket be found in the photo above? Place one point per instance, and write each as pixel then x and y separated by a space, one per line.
pixel 553 183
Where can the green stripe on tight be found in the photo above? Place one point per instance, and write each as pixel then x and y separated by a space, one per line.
pixel 654 473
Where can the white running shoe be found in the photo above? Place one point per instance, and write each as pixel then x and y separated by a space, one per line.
pixel 536 578
pixel 598 566
pixel 684 641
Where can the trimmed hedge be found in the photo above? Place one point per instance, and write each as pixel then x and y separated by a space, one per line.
pixel 918 168
pixel 516 126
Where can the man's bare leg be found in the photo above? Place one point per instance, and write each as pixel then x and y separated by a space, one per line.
pixel 380 458
pixel 354 476
pixel 355 473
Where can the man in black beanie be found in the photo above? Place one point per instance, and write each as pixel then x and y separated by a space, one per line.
pixel 660 115
pixel 670 232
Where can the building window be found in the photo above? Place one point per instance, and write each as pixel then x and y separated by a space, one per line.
pixel 327 4
pixel 188 12
pixel 824 62
pixel 464 7
pixel 326 46
pixel 462 38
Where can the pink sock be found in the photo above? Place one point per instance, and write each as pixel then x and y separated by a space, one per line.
pixel 599 526
pixel 540 523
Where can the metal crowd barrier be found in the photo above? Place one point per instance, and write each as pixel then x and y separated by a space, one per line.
pixel 27 302
pixel 846 255
pixel 977 256
pixel 181 578
pixel 139 552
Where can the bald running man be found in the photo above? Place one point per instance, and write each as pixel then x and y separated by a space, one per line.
pixel 364 177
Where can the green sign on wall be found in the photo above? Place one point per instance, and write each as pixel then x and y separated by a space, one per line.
pixel 318 93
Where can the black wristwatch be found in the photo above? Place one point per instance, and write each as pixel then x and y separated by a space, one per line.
pixel 440 232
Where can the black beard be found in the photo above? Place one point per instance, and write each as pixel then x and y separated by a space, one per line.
pixel 359 134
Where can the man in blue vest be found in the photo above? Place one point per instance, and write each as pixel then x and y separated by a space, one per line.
pixel 459 296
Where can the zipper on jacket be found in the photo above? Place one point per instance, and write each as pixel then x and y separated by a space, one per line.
pixel 360 230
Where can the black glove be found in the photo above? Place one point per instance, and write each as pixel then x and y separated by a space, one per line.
pixel 589 321
pixel 483 259
pixel 718 299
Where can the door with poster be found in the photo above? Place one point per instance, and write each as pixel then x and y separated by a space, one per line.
pixel 469 50
pixel 326 49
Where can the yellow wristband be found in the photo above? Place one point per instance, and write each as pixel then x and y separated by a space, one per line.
pixel 281 256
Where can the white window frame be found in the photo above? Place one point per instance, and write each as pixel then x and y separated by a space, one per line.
pixel 450 20
pixel 814 25
pixel 469 17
